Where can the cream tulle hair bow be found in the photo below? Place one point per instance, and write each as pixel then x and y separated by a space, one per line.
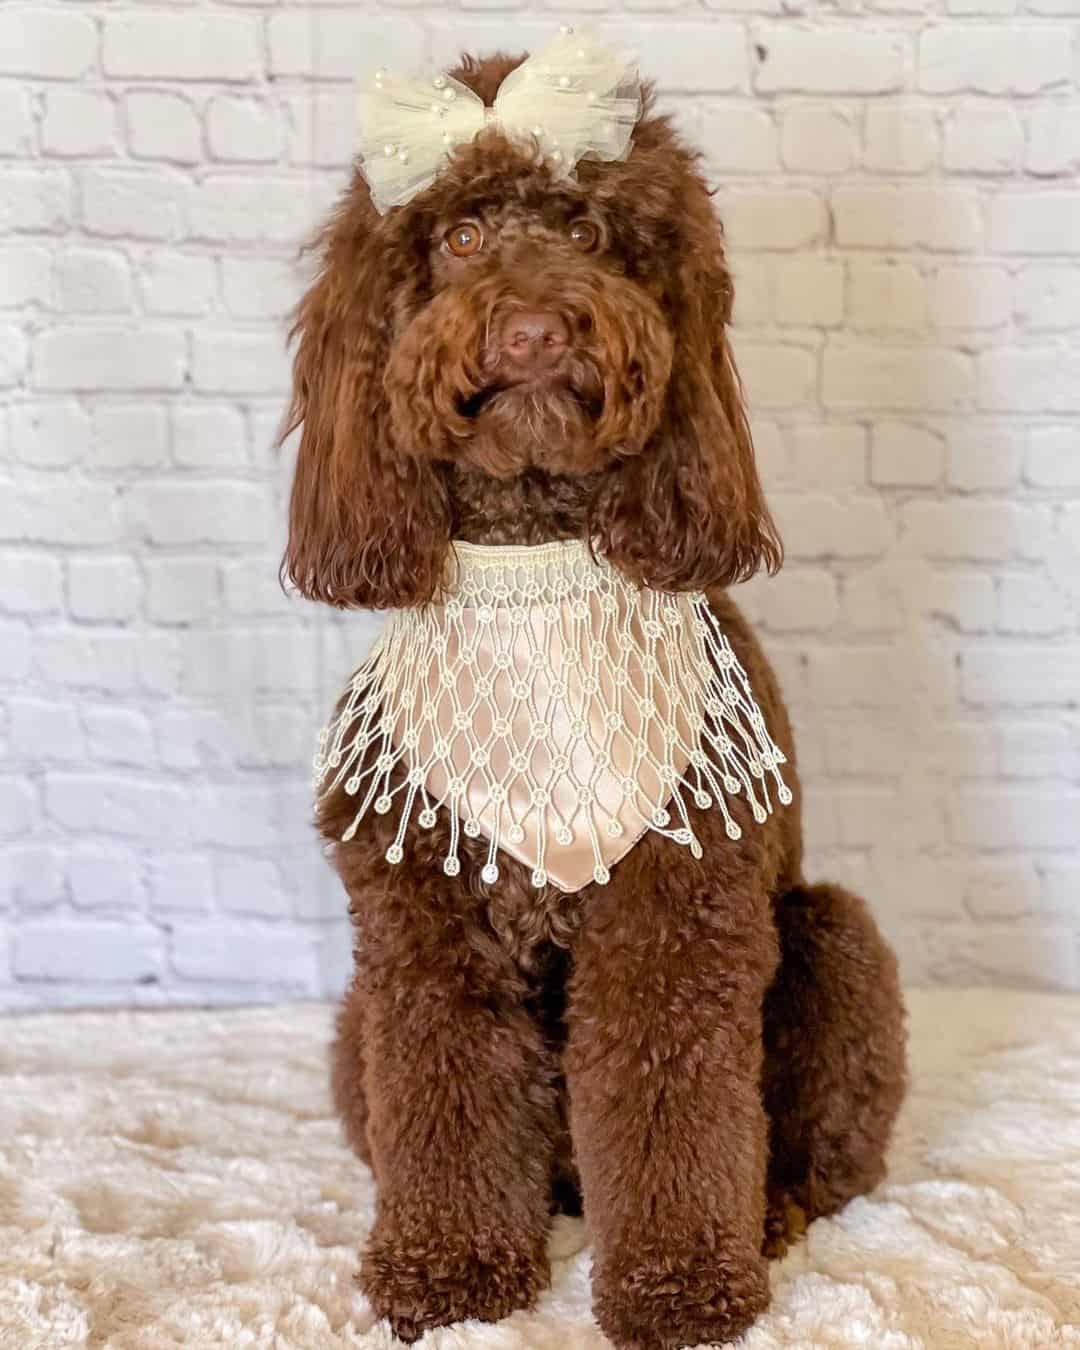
pixel 573 99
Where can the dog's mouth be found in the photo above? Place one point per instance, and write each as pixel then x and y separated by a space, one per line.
pixel 581 394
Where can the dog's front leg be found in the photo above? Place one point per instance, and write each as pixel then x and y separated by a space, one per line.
pixel 664 1064
pixel 461 1109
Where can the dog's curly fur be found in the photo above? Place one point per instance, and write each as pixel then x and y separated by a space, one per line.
pixel 708 1053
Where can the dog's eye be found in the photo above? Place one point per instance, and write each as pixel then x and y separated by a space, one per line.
pixel 465 239
pixel 584 234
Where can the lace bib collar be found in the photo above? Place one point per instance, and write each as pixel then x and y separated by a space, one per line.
pixel 554 708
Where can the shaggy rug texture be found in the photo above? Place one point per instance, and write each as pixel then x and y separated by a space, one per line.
pixel 176 1179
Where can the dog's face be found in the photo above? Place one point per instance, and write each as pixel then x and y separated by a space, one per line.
pixel 510 321
pixel 537 341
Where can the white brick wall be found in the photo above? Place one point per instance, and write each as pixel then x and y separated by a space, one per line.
pixel 899 182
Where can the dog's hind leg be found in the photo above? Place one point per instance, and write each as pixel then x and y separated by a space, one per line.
pixel 347 1068
pixel 835 1068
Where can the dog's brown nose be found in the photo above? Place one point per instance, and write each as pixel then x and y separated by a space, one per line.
pixel 534 339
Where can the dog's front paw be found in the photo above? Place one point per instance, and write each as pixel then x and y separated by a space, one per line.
pixel 419 1281
pixel 662 1302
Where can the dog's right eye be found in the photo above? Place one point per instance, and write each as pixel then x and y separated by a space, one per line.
pixel 465 239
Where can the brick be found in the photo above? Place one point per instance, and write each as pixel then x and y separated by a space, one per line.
pixel 260 288
pixel 244 129
pixel 1029 379
pixel 35 199
pixel 12 355
pixel 322 130
pixel 1060 887
pixel 326 44
pixel 1034 222
pixel 1032 750
pixel 141 203
pixel 264 660
pixel 964 600
pixel 207 435
pixel 25 276
pixel 753 291
pixel 90 357
pixel 68 512
pixel 999 954
pixel 103 588
pixel 884 296
pixel 1001 890
pixel 102 877
pixel 876 676
pixel 1053 458
pixel 180 882
pixel 252 587
pixel 162 125
pixel 739 139
pixel 879 216
pixel 96 803
pixel 128 435
pixel 1032 605
pixel 179 283
pixel 239 362
pixel 776 376
pixel 984 458
pixel 74 658
pixel 1030 675
pixel 78 122
pixel 830 456
pixel 828 61
pixel 251 886
pixel 50 434
pixel 763 218
pixel 817 139
pixel 1000 817
pixel 244 952
pixel 181 590
pixel 194 513
pixel 983 140
pixel 901 138
pixel 165 45
pixel 1048 298
pixel 902 455
pixel 247 210
pixel 44 731
pixel 31 876
pixel 63 950
pixel 16 121
pixel 918 378
pixel 796 601
pixel 30 583
pixel 18 808
pixel 991 59
pixel 978 530
pixel 15 648
pixel 46 43
pixel 808 291
pixel 1054 139
pixel 823 527
pixel 962 296
pixel 93 281
pixel 118 736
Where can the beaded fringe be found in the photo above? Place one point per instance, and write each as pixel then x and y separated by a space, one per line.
pixel 530 640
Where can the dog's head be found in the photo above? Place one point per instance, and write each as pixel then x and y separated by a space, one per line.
pixel 509 321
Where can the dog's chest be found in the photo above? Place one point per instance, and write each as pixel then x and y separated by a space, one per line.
pixel 557 712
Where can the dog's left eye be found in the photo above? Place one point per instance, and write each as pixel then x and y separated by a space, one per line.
pixel 583 234
pixel 465 239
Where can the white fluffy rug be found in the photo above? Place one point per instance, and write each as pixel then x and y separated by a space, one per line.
pixel 176 1179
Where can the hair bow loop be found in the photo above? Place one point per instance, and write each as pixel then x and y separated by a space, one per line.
pixel 575 98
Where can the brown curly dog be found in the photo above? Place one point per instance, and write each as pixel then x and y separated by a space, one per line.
pixel 705 1053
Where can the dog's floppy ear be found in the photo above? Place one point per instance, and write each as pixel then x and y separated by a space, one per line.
pixel 368 524
pixel 688 513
